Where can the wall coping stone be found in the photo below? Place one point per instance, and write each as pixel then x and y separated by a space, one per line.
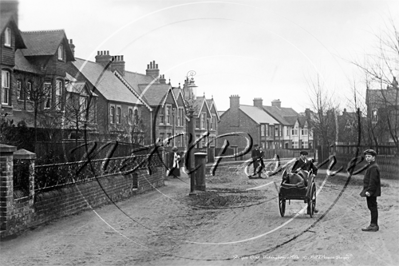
pixel 4 148
pixel 23 154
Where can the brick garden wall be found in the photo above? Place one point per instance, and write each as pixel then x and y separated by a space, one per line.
pixel 73 199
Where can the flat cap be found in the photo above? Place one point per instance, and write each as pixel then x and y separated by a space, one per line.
pixel 370 151
pixel 303 153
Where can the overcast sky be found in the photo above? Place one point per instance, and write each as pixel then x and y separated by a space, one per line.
pixel 253 48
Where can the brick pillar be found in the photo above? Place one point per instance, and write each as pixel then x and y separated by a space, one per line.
pixel 23 154
pixel 6 184
pixel 200 162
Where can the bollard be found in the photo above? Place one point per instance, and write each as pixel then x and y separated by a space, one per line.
pixel 200 162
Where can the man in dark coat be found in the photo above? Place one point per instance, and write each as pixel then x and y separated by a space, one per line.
pixel 371 189
pixel 303 163
pixel 256 156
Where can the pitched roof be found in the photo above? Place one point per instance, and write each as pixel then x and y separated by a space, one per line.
pixel 258 115
pixel 106 82
pixel 292 119
pixel 199 104
pixel 46 43
pixel 279 113
pixel 22 64
pixel 302 120
pixel 155 94
pixel 7 19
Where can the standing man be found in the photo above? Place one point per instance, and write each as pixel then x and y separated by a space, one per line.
pixel 371 189
pixel 255 159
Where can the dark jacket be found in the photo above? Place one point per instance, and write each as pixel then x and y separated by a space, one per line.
pixel 255 154
pixel 371 181
pixel 304 166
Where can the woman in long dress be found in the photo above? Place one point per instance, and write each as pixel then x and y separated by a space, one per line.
pixel 174 169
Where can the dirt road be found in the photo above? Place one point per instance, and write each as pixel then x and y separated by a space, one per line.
pixel 236 222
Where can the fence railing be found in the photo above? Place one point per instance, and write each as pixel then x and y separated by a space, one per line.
pixel 381 150
pixel 55 175
pixel 70 151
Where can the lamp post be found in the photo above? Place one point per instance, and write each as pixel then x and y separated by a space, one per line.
pixel 189 97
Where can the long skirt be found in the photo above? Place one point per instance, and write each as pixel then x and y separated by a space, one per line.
pixel 174 172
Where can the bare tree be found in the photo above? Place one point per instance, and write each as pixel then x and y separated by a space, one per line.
pixel 79 110
pixel 323 119
pixel 382 92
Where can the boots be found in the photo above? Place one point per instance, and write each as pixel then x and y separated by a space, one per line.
pixel 371 228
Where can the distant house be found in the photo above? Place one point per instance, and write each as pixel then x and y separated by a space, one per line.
pixel 348 127
pixel 252 120
pixel 272 127
pixel 383 114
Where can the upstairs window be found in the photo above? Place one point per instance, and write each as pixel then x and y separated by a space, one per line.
pixel 374 115
pixel 7 37
pixel 168 114
pixel 136 117
pixel 29 91
pixel 47 95
pixel 161 115
pixel 262 130
pixel 58 94
pixel 61 52
pixel 118 115
pixel 203 121
pixel 130 116
pixel 20 92
pixel 5 87
pixel 276 131
pixel 112 115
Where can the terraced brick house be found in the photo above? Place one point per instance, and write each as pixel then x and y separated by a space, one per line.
pixel 272 127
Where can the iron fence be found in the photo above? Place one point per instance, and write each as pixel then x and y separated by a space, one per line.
pixel 55 175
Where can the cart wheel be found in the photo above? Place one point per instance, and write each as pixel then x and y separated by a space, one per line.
pixel 312 200
pixel 281 205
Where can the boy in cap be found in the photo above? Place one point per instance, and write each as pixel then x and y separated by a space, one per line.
pixel 371 189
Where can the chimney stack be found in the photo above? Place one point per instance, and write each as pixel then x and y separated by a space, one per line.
pixel 162 79
pixel 72 46
pixel 103 58
pixel 152 70
pixel 258 102
pixel 276 103
pixel 118 64
pixel 10 6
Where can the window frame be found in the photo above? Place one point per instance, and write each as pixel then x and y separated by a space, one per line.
pixel 118 114
pixel 162 115
pixel 7 37
pixel 112 114
pixel 60 53
pixel 48 95
pixel 58 94
pixel 5 86
pixel 20 92
pixel 130 116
